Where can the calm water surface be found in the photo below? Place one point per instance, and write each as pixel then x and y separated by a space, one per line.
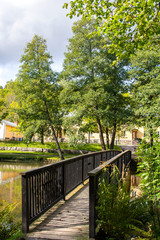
pixel 10 181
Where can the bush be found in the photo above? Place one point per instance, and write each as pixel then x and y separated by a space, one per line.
pixel 75 139
pixel 119 216
pixel 149 172
pixel 9 228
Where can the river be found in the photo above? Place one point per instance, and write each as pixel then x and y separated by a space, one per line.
pixel 10 182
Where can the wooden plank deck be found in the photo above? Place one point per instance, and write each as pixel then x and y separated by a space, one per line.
pixel 70 221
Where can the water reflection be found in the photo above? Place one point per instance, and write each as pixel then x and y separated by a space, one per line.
pixel 10 180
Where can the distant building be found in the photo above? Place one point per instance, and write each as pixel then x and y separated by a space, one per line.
pixel 8 131
pixel 124 137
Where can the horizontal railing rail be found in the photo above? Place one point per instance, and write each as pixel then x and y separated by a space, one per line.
pixel 45 186
pixel 121 161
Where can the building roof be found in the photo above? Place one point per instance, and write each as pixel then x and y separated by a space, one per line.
pixel 8 123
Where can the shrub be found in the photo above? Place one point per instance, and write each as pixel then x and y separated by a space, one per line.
pixel 9 228
pixel 119 216
pixel 149 172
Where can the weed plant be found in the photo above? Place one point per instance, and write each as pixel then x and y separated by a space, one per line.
pixel 119 216
pixel 9 228
pixel 149 172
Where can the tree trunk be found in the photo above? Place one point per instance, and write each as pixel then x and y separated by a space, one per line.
pixel 57 143
pixel 113 135
pixel 101 134
pixel 151 136
pixel 100 130
pixel 54 133
pixel 42 136
pixel 107 137
pixel 89 134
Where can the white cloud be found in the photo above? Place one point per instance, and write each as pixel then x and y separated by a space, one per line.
pixel 7 73
pixel 20 20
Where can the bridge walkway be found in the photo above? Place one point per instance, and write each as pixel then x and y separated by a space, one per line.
pixel 70 221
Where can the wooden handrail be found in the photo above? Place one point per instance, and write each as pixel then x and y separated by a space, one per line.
pixel 121 161
pixel 45 186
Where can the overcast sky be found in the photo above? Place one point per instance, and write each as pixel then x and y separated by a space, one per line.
pixel 20 20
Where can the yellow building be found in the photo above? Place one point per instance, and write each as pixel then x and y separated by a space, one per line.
pixel 8 131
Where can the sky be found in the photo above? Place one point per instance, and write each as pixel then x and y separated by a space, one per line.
pixel 20 20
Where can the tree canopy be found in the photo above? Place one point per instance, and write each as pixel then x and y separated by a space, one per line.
pixel 6 98
pixel 36 87
pixel 129 24
pixel 145 74
pixel 92 86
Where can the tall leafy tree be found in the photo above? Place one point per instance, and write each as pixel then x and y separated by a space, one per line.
pixel 92 86
pixel 36 87
pixel 145 74
pixel 6 98
pixel 129 24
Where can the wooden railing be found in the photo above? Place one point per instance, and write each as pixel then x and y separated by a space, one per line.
pixel 121 161
pixel 45 186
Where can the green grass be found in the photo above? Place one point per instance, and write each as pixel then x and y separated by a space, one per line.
pixel 52 145
pixel 39 156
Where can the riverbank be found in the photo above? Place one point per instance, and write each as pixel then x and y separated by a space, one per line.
pixel 20 151
pixel 32 156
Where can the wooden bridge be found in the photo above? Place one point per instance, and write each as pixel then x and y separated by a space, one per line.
pixel 45 190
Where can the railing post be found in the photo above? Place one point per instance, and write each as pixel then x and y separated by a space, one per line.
pixel 94 161
pixel 25 207
pixel 92 203
pixel 82 170
pixel 64 182
pixel 130 156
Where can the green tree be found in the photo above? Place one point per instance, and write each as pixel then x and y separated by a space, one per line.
pixel 6 98
pixel 93 88
pixel 36 87
pixel 2 104
pixel 145 76
pixel 129 24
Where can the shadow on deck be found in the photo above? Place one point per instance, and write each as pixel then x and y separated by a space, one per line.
pixel 75 218
pixel 69 221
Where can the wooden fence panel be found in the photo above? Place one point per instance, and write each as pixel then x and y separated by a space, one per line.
pixel 44 186
pixel 120 160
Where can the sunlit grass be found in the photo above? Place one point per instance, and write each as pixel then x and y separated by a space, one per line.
pixel 52 145
pixel 22 155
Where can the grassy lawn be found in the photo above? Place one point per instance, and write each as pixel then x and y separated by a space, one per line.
pixel 41 156
pixel 20 155
pixel 52 145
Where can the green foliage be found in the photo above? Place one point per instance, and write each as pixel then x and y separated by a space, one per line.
pixel 93 89
pixel 75 140
pixel 9 228
pixel 37 90
pixel 129 24
pixel 6 98
pixel 149 171
pixel 119 216
pixel 145 91
pixel 51 145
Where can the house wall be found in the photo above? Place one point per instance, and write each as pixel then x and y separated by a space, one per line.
pixel 11 132
pixel 124 137
pixel 1 130
pixel 140 133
